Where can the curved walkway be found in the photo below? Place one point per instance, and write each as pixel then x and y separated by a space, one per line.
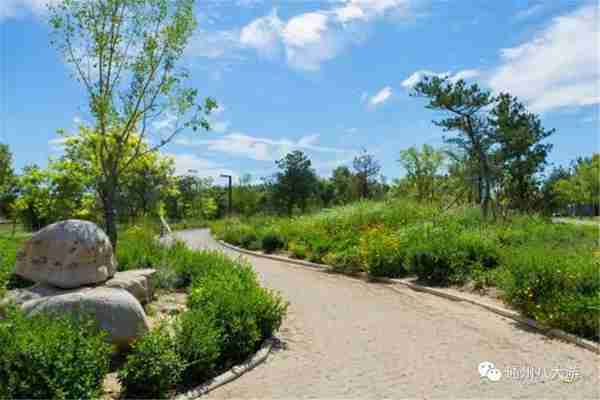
pixel 346 338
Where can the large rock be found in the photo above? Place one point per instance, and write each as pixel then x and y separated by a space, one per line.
pixel 115 310
pixel 138 282
pixel 67 254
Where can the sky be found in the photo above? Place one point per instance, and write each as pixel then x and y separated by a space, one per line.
pixel 328 77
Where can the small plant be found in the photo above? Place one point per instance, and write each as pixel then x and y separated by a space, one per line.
pixel 153 367
pixel 381 253
pixel 197 341
pixel 271 242
pixel 345 260
pixel 298 250
pixel 49 357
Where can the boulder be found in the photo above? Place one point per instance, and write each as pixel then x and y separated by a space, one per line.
pixel 136 281
pixel 115 310
pixel 67 254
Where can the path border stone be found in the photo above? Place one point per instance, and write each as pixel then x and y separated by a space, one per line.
pixel 512 314
pixel 232 374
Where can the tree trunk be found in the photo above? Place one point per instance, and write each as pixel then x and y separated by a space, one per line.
pixel 108 205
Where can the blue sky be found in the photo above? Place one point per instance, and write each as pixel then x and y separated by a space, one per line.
pixel 327 77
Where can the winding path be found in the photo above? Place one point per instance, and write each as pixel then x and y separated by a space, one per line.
pixel 346 338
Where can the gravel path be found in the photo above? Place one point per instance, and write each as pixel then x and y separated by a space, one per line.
pixel 346 338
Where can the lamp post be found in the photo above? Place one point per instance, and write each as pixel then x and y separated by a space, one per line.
pixel 230 193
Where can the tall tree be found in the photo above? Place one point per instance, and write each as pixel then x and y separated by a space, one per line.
pixel 520 153
pixel 583 186
pixel 125 53
pixel 342 180
pixel 422 169
pixel 366 169
pixel 7 180
pixel 464 108
pixel 296 181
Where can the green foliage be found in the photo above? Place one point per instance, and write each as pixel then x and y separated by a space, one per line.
pixel 345 260
pixel 382 253
pixel 9 246
pixel 47 357
pixel 271 242
pixel 446 255
pixel 153 367
pixel 197 341
pixel 298 250
pixel 556 287
pixel 295 182
pixel 583 186
pixel 243 311
pixel 422 170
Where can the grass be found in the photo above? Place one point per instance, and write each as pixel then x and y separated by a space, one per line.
pixel 548 271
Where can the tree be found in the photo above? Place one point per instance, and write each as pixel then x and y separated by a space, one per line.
pixel 295 183
pixel 367 169
pixel 422 169
pixel 7 180
pixel 342 180
pixel 464 106
pixel 125 53
pixel 520 154
pixel 583 186
pixel 552 199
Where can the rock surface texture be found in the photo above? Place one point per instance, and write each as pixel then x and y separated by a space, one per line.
pixel 73 265
pixel 67 254
pixel 115 310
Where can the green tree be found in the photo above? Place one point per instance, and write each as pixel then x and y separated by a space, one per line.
pixel 519 154
pixel 126 53
pixel 7 180
pixel 583 186
pixel 366 169
pixel 422 169
pixel 295 183
pixel 464 108
pixel 343 180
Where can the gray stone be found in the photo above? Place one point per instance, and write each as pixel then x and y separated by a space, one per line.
pixel 67 254
pixel 138 282
pixel 115 310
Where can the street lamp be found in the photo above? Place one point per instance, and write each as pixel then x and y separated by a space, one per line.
pixel 230 192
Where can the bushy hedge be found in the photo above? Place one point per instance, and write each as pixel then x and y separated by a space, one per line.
pixel 153 366
pixel 554 287
pixel 45 357
pixel 382 253
pixel 243 311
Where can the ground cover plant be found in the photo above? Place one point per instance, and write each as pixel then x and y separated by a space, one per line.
pixel 546 270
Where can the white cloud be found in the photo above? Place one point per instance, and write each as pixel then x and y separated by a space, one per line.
pixel 263 34
pixel 308 39
pixel 258 148
pixel 220 126
pixel 380 97
pixel 530 11
pixel 418 76
pixel 206 168
pixel 558 67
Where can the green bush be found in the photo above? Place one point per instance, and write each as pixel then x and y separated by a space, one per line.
pixel 271 242
pixel 298 250
pixel 46 357
pixel 138 248
pixel 244 312
pixel 9 246
pixel 447 255
pixel 381 253
pixel 197 341
pixel 153 367
pixel 556 288
pixel 344 260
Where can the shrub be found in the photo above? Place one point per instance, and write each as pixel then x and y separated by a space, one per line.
pixel 244 312
pixel 344 260
pixel 238 233
pixel 298 250
pixel 138 248
pixel 381 253
pixel 554 287
pixel 271 242
pixel 446 255
pixel 49 357
pixel 197 341
pixel 153 367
